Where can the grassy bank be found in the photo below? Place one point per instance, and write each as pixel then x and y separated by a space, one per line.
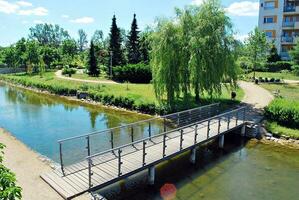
pixel 279 130
pixel 139 97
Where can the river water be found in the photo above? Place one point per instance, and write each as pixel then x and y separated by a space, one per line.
pixel 248 170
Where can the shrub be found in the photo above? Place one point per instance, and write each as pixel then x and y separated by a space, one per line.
pixel 295 70
pixel 277 66
pixel 68 71
pixel 137 73
pixel 283 111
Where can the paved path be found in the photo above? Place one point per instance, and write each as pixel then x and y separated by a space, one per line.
pixel 28 166
pixel 58 74
pixel 291 81
pixel 257 98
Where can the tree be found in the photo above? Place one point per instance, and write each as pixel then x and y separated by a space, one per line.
pixel 273 55
pixel 32 56
pixel 92 62
pixel 133 44
pixel 69 48
pixel 145 46
pixel 48 34
pixel 196 52
pixel 20 51
pixel 10 58
pixel 98 38
pixel 115 44
pixel 256 48
pixel 294 53
pixel 49 55
pixel 82 41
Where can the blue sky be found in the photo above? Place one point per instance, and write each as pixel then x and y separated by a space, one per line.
pixel 16 17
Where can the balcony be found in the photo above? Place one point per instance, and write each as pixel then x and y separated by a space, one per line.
pixel 287 39
pixel 289 9
pixel 288 24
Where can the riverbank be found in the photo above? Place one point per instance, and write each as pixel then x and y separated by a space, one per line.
pixel 134 97
pixel 28 166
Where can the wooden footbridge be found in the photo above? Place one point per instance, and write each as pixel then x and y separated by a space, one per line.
pixel 151 142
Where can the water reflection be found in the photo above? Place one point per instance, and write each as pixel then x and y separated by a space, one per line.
pixel 39 120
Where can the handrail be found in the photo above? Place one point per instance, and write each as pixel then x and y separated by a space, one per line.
pixel 165 133
pixel 135 123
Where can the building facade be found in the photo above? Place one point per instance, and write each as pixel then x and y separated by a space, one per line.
pixel 279 19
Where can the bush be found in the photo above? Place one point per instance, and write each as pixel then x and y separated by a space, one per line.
pixel 277 66
pixel 137 73
pixel 283 111
pixel 295 70
pixel 68 71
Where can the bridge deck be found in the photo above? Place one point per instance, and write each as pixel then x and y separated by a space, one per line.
pixel 104 168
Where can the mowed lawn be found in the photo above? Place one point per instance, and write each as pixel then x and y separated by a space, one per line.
pixel 141 93
pixel 289 91
pixel 276 75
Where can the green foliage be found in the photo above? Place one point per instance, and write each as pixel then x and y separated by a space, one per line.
pixel 145 46
pixel 276 66
pixel 69 48
pixel 50 55
pixel 295 69
pixel 8 188
pixel 273 55
pixel 256 47
pixel 92 62
pixel 196 52
pixel 10 57
pixel 133 44
pixel 48 34
pixel 82 41
pixel 134 73
pixel 294 53
pixel 68 71
pixel 115 44
pixel 283 111
pixel 279 130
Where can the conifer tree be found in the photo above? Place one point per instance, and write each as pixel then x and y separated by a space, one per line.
pixel 115 44
pixel 92 62
pixel 133 46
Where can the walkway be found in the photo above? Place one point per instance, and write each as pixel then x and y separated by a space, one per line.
pixel 58 74
pixel 105 168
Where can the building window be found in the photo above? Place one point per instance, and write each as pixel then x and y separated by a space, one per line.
pixel 269 5
pixel 268 20
pixel 269 34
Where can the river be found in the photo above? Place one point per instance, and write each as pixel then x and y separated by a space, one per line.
pixel 241 171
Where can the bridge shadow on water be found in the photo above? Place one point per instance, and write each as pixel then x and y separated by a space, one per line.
pixel 178 172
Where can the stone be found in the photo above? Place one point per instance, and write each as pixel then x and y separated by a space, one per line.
pixel 268 134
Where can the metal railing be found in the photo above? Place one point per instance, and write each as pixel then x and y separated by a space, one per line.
pixel 231 119
pixel 289 9
pixel 288 24
pixel 75 149
pixel 287 39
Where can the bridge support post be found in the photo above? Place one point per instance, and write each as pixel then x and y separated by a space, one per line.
pixel 243 130
pixel 193 156
pixel 221 141
pixel 151 175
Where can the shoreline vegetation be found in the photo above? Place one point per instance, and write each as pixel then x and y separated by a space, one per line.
pixel 130 97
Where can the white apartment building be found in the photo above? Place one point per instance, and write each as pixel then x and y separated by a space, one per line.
pixel 279 19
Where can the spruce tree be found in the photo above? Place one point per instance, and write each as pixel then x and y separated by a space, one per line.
pixel 273 55
pixel 115 44
pixel 133 45
pixel 92 62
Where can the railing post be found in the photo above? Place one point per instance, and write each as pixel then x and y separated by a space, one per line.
pixel 111 141
pixel 196 134
pixel 149 129
pixel 89 172
pixel 164 145
pixel 119 162
pixel 164 122
pixel 208 130
pixel 237 118
pixel 132 134
pixel 244 114
pixel 228 121
pixel 61 158
pixel 190 119
pixel 219 125
pixel 88 145
pixel 143 153
pixel 181 139
pixel 178 121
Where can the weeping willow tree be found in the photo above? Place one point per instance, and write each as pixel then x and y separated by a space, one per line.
pixel 193 53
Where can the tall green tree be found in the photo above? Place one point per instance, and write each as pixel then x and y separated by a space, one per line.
pixel 50 55
pixel 273 55
pixel 10 57
pixel 115 44
pixel 32 56
pixel 21 51
pixel 92 62
pixel 257 48
pixel 48 34
pixel 145 46
pixel 294 53
pixel 82 41
pixel 133 43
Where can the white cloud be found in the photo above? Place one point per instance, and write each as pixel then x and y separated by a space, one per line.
pixel 8 8
pixel 242 38
pixel 243 8
pixel 39 11
pixel 38 21
pixel 197 2
pixel 25 22
pixel 83 20
pixel 24 3
pixel 65 16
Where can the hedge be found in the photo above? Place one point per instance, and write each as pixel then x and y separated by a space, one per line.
pixel 277 66
pixel 283 111
pixel 134 73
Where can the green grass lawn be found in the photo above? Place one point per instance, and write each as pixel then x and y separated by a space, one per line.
pixel 140 93
pixel 276 75
pixel 87 77
pixel 279 130
pixel 289 91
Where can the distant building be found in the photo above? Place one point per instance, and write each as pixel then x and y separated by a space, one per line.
pixel 279 19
